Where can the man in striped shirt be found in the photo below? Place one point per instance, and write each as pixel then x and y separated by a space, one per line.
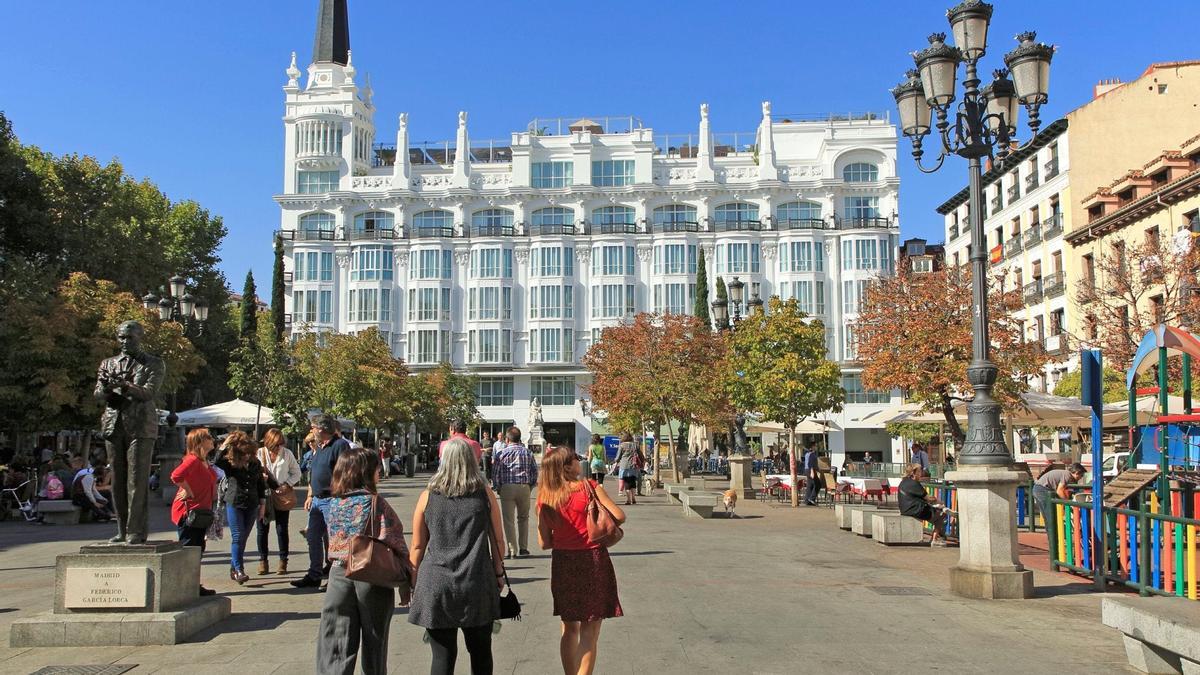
pixel 514 473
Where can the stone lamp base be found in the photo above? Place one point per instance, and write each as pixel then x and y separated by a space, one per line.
pixel 988 566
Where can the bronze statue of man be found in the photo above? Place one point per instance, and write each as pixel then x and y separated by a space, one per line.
pixel 129 384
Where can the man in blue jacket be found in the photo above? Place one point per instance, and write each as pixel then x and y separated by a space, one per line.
pixel 320 479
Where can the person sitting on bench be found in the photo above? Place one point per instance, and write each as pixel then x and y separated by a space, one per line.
pixel 84 493
pixel 916 503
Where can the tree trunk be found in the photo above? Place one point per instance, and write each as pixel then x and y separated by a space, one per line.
pixel 792 462
pixel 670 452
pixel 956 430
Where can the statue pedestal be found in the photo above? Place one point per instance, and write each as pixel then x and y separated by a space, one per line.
pixel 988 567
pixel 535 438
pixel 122 594
pixel 741 475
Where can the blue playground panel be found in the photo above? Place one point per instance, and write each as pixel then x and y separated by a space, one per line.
pixel 1183 444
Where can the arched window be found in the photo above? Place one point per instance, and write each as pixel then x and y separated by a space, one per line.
pixel 737 216
pixel 374 225
pixel 799 215
pixel 434 222
pixel 860 172
pixel 676 218
pixel 553 220
pixel 496 222
pixel 316 226
pixel 614 219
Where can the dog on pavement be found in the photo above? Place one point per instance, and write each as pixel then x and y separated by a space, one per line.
pixel 730 499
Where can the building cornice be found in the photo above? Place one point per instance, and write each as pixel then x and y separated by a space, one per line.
pixel 1056 129
pixel 1137 209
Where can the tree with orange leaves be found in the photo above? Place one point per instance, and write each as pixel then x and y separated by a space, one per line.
pixel 651 369
pixel 914 334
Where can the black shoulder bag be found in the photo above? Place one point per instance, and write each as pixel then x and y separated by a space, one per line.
pixel 510 607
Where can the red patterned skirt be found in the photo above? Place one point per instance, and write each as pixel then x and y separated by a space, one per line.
pixel 584 585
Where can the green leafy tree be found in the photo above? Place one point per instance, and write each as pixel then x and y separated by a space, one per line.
pixel 1071 386
pixel 24 231
pixel 356 377
pixel 722 291
pixel 440 396
pixel 264 372
pixel 248 323
pixel 277 300
pixel 778 369
pixel 700 309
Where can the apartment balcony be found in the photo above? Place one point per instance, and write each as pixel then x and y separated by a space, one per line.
pixel 431 232
pixel 1031 182
pixel 874 223
pixel 372 234
pixel 1051 167
pixel 997 205
pixel 1052 226
pixel 802 224
pixel 1087 292
pixel 287 277
pixel 677 226
pixel 1013 192
pixel 1054 285
pixel 493 231
pixel 287 319
pixel 740 226
pixel 1056 345
pixel 307 235
pixel 613 228
pixel 1012 247
pixel 1033 236
pixel 952 233
pixel 565 229
pixel 1033 292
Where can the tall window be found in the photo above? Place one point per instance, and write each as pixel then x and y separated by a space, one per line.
pixel 429 304
pixel 675 259
pixel 371 263
pixel 495 391
pixel 612 173
pixel 551 302
pixel 551 174
pixel 810 295
pixel 860 208
pixel 613 260
pixel 674 298
pixel 669 218
pixel 317 222
pixel 737 258
pixel 553 390
pixel 860 172
pixel 431 263
pixel 801 256
pixel 490 345
pixel 855 393
pixel 614 219
pixel 314 266
pixel 492 222
pixel 316 182
pixel 794 212
pixel 552 261
pixel 489 303
pixel 491 263
pixel 312 306
pixel 614 300
pixel 853 293
pixel 436 221
pixel 735 212
pixel 428 346
pixel 373 221
pixel 553 220
pixel 867 254
pixel 551 345
pixel 370 304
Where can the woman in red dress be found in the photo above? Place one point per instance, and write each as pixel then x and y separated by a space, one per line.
pixel 582 580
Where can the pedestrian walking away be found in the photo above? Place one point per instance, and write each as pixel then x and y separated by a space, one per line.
pixel 245 497
pixel 458 429
pixel 628 467
pixel 282 473
pixel 514 475
pixel 356 616
pixel 812 476
pixel 582 580
pixel 320 483
pixel 457 559
pixel 597 460
pixel 192 510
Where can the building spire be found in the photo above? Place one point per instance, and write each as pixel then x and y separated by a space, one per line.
pixel 332 44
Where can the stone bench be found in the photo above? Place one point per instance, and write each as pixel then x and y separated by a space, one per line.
pixel 674 489
pixel 894 528
pixel 1162 635
pixel 860 522
pixel 842 513
pixel 699 504
pixel 59 511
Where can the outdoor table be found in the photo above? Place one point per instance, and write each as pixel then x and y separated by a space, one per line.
pixel 785 480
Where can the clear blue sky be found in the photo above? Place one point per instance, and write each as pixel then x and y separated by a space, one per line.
pixel 188 93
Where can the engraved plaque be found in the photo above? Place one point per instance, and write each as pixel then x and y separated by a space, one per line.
pixel 106 587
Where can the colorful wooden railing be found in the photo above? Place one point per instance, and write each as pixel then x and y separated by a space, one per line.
pixel 1028 516
pixel 1150 551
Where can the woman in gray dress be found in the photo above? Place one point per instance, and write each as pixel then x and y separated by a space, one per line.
pixel 456 545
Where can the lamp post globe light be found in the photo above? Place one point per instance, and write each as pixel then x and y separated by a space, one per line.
pixel 983 124
pixel 740 461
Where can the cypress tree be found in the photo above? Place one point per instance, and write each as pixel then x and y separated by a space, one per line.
pixel 248 327
pixel 277 291
pixel 700 310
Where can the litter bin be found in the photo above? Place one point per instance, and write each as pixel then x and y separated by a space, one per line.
pixel 410 466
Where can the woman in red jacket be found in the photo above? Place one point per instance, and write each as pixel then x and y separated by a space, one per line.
pixel 582 580
pixel 197 491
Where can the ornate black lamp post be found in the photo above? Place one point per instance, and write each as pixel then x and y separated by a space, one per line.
pixel 984 124
pixel 740 460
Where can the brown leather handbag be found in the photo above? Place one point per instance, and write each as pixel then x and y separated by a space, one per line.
pixel 373 561
pixel 602 527
pixel 283 498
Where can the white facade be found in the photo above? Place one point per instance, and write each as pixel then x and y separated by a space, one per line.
pixel 1027 214
pixel 509 259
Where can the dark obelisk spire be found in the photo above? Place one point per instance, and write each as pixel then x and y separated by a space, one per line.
pixel 333 33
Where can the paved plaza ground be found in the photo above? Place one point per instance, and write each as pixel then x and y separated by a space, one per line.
pixel 778 590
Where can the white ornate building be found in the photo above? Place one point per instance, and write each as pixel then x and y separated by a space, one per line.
pixel 507 258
